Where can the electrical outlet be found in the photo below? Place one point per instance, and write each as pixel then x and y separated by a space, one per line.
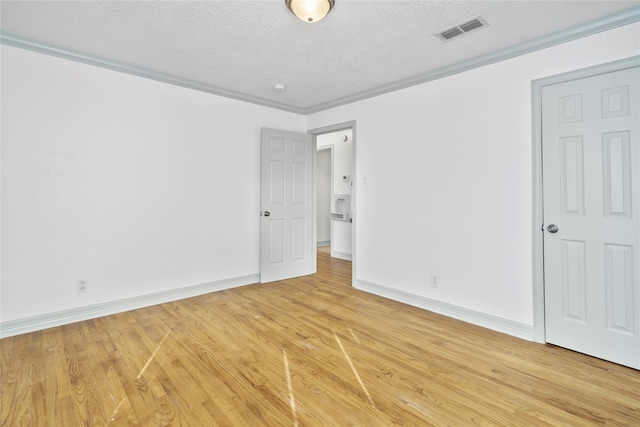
pixel 435 281
pixel 83 285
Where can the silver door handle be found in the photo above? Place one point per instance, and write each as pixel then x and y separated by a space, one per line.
pixel 552 228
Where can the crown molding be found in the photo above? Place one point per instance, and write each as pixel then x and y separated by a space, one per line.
pixel 593 27
pixel 616 20
pixel 48 49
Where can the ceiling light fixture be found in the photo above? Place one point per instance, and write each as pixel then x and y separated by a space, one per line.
pixel 310 10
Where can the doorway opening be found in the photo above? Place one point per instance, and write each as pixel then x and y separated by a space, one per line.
pixel 335 195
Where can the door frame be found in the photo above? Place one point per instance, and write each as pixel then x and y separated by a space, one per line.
pixel 538 217
pixel 331 129
pixel 329 148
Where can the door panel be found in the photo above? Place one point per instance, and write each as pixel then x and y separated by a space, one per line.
pixel 617 174
pixel 572 174
pixel 574 284
pixel 619 285
pixel 591 157
pixel 286 233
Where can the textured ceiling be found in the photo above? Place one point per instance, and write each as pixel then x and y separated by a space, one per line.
pixel 242 48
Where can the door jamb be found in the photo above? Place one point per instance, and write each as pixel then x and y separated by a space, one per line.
pixel 329 148
pixel 538 217
pixel 331 129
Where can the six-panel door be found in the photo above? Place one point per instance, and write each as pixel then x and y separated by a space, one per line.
pixel 286 229
pixel 591 186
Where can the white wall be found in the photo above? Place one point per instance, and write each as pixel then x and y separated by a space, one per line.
pixel 448 168
pixel 135 185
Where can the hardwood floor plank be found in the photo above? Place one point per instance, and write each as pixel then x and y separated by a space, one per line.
pixel 17 375
pixel 310 351
pixel 128 359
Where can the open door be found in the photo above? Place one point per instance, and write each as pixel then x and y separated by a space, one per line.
pixel 287 246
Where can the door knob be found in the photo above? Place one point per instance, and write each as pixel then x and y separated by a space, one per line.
pixel 267 213
pixel 552 228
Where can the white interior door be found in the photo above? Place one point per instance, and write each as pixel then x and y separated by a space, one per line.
pixel 287 242
pixel 591 186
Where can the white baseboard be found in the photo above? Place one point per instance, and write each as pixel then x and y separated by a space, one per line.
pixel 36 323
pixel 342 255
pixel 499 324
pixel 324 243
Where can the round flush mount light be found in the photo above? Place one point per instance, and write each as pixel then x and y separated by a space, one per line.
pixel 279 87
pixel 310 10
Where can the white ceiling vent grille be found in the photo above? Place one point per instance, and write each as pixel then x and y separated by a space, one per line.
pixel 462 29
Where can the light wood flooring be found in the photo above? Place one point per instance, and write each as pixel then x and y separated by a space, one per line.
pixel 310 351
pixel 324 249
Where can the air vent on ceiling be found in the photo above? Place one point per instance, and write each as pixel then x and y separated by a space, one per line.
pixel 463 28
